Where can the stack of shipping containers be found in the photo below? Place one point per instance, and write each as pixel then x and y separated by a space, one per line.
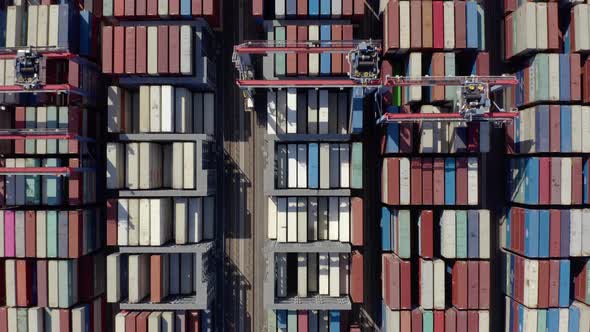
pixel 544 233
pixel 160 163
pixel 52 267
pixel 314 200
pixel 435 229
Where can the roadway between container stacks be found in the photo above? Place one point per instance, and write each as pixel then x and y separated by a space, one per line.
pixel 242 162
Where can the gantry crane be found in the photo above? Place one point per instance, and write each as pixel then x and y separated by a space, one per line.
pixel 363 56
pixel 29 65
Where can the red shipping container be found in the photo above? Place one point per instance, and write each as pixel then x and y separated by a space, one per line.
pixel 543 298
pixel 438 24
pixel 357 221
pixel 439 181
pixel 415 25
pixel 347 34
pixel 544 180
pixel 359 8
pixel 405 318
pixel 416 181
pixel 131 321
pixel 462 321
pixel 450 320
pixel 460 25
pixel 107 49
pixel 30 231
pixel 141 50
pixel 140 7
pixel 152 7
pixel 197 7
pixel 586 81
pixel 64 320
pixel 484 285
pixel 156 284
pixel 427 23
pixel 553 283
pixel 24 283
pixel 302 319
pixel 336 58
pixel 394 283
pixel 473 321
pixel 174 7
pixel 174 56
pixel 302 58
pixel 554 128
pixel 130 50
pixel 461 181
pixel 129 7
pixel 417 320
pixel 41 283
pixel 459 285
pixel 142 320
pixel 473 279
pixel 483 63
pixel 552 26
pixel 426 234
pixel 438 69
pixel 111 228
pixel 119 7
pixel 302 7
pixel 347 9
pixel 392 25
pixel 427 181
pixel 163 51
pixel 555 181
pixel 74 73
pixel 356 277
pixel 257 8
pixel 439 321
pixel 75 234
pixel 119 50
pixel 406 284
pixel 193 321
pixel 291 57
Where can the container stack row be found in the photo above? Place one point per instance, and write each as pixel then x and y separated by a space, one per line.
pixel 160 163
pixel 435 229
pixel 52 269
pixel 314 144
pixel 542 230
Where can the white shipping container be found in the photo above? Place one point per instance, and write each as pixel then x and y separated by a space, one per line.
pixel 334 274
pixel 344 219
pixel 314 58
pixel 302 274
pixel 292 165
pixel 282 219
pixel 301 165
pixel 291 111
pixel 324 274
pixel 292 219
pixel 167 108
